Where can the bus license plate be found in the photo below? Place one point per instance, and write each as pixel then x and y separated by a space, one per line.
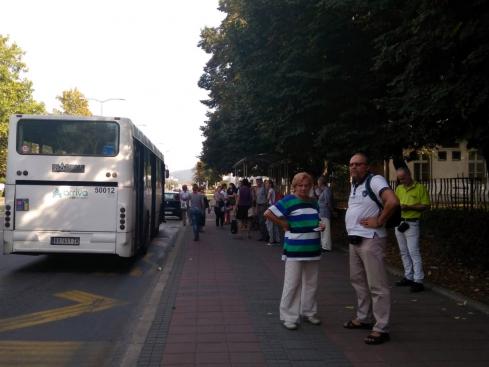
pixel 70 241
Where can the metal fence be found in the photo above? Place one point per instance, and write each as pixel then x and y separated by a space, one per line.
pixel 466 193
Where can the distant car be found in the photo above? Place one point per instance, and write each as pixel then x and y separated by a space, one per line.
pixel 172 205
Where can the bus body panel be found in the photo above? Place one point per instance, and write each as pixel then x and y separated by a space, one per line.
pixel 41 241
pixel 90 209
pixel 72 208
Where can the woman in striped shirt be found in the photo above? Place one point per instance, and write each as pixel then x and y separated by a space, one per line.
pixel 298 215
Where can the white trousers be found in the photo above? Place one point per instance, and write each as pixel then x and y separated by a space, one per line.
pixel 299 293
pixel 326 243
pixel 410 254
pixel 273 231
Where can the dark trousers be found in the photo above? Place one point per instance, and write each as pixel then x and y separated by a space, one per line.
pixel 260 210
pixel 219 216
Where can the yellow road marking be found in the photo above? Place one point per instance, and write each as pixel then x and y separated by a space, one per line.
pixel 19 353
pixel 53 353
pixel 86 302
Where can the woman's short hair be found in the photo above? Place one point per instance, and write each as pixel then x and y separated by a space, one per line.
pixel 299 177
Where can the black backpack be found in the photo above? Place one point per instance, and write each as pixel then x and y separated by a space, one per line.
pixel 395 218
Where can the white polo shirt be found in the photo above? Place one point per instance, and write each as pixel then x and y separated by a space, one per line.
pixel 361 206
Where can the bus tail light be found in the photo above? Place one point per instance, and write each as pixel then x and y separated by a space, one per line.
pixel 7 216
pixel 122 218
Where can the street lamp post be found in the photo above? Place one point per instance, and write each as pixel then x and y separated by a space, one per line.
pixel 102 101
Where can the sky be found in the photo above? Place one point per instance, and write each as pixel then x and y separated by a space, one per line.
pixel 142 51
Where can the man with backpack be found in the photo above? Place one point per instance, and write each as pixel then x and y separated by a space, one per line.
pixel 365 223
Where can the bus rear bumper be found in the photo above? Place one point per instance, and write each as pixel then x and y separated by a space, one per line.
pixel 19 242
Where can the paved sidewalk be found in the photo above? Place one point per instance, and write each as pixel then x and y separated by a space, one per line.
pixel 220 308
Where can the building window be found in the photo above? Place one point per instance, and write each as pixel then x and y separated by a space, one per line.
pixel 422 168
pixel 456 155
pixel 442 156
pixel 477 165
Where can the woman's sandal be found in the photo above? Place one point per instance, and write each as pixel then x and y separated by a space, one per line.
pixel 373 339
pixel 363 325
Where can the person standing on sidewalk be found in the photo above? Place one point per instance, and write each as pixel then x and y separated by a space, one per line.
pixel 325 201
pixel 298 215
pixel 219 206
pixel 206 207
pixel 184 203
pixel 272 228
pixel 261 206
pixel 196 210
pixel 244 200
pixel 414 199
pixel 365 224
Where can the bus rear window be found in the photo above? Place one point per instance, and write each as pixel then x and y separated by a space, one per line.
pixel 68 137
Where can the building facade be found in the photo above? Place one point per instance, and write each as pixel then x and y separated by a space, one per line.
pixel 446 162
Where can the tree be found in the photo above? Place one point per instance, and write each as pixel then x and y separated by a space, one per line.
pixel 316 80
pixel 15 92
pixel 73 102
pixel 435 63
pixel 290 78
pixel 199 173
pixel 204 175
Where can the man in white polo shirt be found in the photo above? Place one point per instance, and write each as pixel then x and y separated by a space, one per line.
pixel 367 238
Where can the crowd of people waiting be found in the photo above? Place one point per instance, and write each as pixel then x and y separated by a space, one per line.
pixel 247 204
pixel 304 217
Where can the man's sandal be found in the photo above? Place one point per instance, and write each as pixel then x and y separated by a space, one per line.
pixel 362 325
pixel 373 339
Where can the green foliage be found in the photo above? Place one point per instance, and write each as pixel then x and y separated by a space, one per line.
pixel 436 69
pixel 320 79
pixel 204 175
pixel 73 102
pixel 15 92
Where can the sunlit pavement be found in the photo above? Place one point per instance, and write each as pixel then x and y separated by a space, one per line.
pixel 220 308
pixel 78 309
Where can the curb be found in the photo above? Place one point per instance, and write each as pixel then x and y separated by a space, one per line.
pixel 141 330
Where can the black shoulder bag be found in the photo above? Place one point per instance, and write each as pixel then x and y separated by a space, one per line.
pixel 395 219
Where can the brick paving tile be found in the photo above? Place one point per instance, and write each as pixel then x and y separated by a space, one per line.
pixel 220 347
pixel 214 357
pixel 221 309
pixel 211 338
pixel 169 358
pixel 247 357
pixel 241 337
pixel 180 348
pixel 240 328
pixel 244 347
pixel 181 338
pixel 209 329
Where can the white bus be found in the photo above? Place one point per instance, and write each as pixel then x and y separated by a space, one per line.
pixel 81 185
